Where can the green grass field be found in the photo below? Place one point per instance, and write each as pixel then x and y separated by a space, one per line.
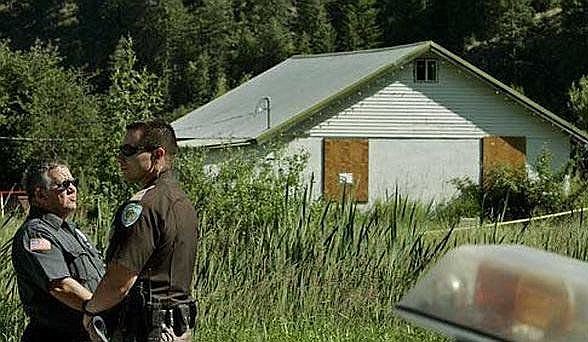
pixel 317 271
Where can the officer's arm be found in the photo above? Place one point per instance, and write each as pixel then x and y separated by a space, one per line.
pixel 68 291
pixel 116 283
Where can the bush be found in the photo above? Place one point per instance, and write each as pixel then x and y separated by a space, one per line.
pixel 508 192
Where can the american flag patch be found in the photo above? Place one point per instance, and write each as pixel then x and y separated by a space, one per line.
pixel 39 245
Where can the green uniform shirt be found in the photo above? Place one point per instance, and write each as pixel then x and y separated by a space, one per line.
pixel 155 235
pixel 46 248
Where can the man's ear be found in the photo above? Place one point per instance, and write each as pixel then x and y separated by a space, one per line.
pixel 158 153
pixel 40 195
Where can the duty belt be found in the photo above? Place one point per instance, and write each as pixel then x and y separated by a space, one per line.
pixel 144 314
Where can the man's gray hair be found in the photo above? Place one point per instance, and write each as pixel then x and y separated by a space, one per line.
pixel 36 175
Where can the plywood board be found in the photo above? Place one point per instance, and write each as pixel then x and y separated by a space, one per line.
pixel 503 151
pixel 345 166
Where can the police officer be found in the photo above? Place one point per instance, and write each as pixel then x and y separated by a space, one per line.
pixel 56 266
pixel 152 250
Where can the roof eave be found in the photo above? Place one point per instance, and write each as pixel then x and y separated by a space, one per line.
pixel 198 143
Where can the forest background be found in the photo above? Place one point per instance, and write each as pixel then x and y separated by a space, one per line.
pixel 72 72
pixel 273 265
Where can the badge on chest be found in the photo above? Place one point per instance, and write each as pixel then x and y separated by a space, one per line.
pixel 130 214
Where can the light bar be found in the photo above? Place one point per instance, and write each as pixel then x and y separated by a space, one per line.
pixel 502 293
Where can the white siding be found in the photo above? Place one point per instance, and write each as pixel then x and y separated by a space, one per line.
pixel 559 147
pixel 313 147
pixel 458 106
pixel 422 168
pixel 422 135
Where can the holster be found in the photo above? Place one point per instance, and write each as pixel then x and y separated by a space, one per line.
pixel 144 317
pixel 183 316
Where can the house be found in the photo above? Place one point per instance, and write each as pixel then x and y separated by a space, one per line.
pixel 412 116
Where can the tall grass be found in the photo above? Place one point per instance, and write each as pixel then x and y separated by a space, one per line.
pixel 274 263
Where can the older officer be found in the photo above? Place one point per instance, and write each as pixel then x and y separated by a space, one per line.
pixel 152 251
pixel 56 266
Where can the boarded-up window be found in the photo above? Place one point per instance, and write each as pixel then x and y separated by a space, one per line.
pixel 503 151
pixel 345 166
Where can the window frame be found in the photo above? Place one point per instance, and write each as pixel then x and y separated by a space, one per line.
pixel 426 79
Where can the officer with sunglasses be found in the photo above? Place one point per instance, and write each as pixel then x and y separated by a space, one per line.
pixel 56 266
pixel 152 250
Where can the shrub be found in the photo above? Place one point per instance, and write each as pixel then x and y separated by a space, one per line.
pixel 508 192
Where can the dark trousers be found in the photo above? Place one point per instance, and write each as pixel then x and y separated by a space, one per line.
pixel 35 332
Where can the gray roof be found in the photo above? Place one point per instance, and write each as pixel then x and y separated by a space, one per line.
pixel 302 84
pixel 293 86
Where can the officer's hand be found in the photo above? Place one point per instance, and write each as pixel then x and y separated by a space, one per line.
pixel 87 321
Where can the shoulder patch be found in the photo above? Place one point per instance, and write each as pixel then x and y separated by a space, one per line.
pixel 39 245
pixel 131 213
pixel 139 195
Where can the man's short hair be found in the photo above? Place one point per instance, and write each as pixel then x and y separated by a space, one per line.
pixel 36 175
pixel 157 133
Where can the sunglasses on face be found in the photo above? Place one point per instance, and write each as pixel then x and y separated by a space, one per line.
pixel 128 150
pixel 66 184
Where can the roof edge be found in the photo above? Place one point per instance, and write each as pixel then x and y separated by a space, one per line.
pixel 306 114
pixel 215 145
pixel 344 53
pixel 543 112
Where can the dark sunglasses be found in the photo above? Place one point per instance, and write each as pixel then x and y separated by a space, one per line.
pixel 127 150
pixel 66 184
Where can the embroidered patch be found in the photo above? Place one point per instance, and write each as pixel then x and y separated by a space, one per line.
pixel 39 245
pixel 131 214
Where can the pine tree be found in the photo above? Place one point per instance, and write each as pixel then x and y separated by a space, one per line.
pixel 264 36
pixel 403 21
pixel 575 37
pixel 314 32
pixel 357 27
pixel 452 22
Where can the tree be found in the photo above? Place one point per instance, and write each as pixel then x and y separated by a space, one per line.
pixel 133 95
pixel 355 22
pixel 47 111
pixel 315 34
pixel 453 22
pixel 578 101
pixel 575 37
pixel 263 37
pixel 402 21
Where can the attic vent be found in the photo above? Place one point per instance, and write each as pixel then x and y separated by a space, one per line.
pixel 425 70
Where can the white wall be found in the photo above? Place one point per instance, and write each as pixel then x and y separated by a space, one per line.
pixel 422 168
pixel 314 148
pixel 559 147
pixel 421 135
pixel 458 106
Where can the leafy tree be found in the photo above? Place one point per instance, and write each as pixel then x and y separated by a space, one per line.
pixel 215 26
pixel 46 110
pixel 134 95
pixel 544 5
pixel 578 94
